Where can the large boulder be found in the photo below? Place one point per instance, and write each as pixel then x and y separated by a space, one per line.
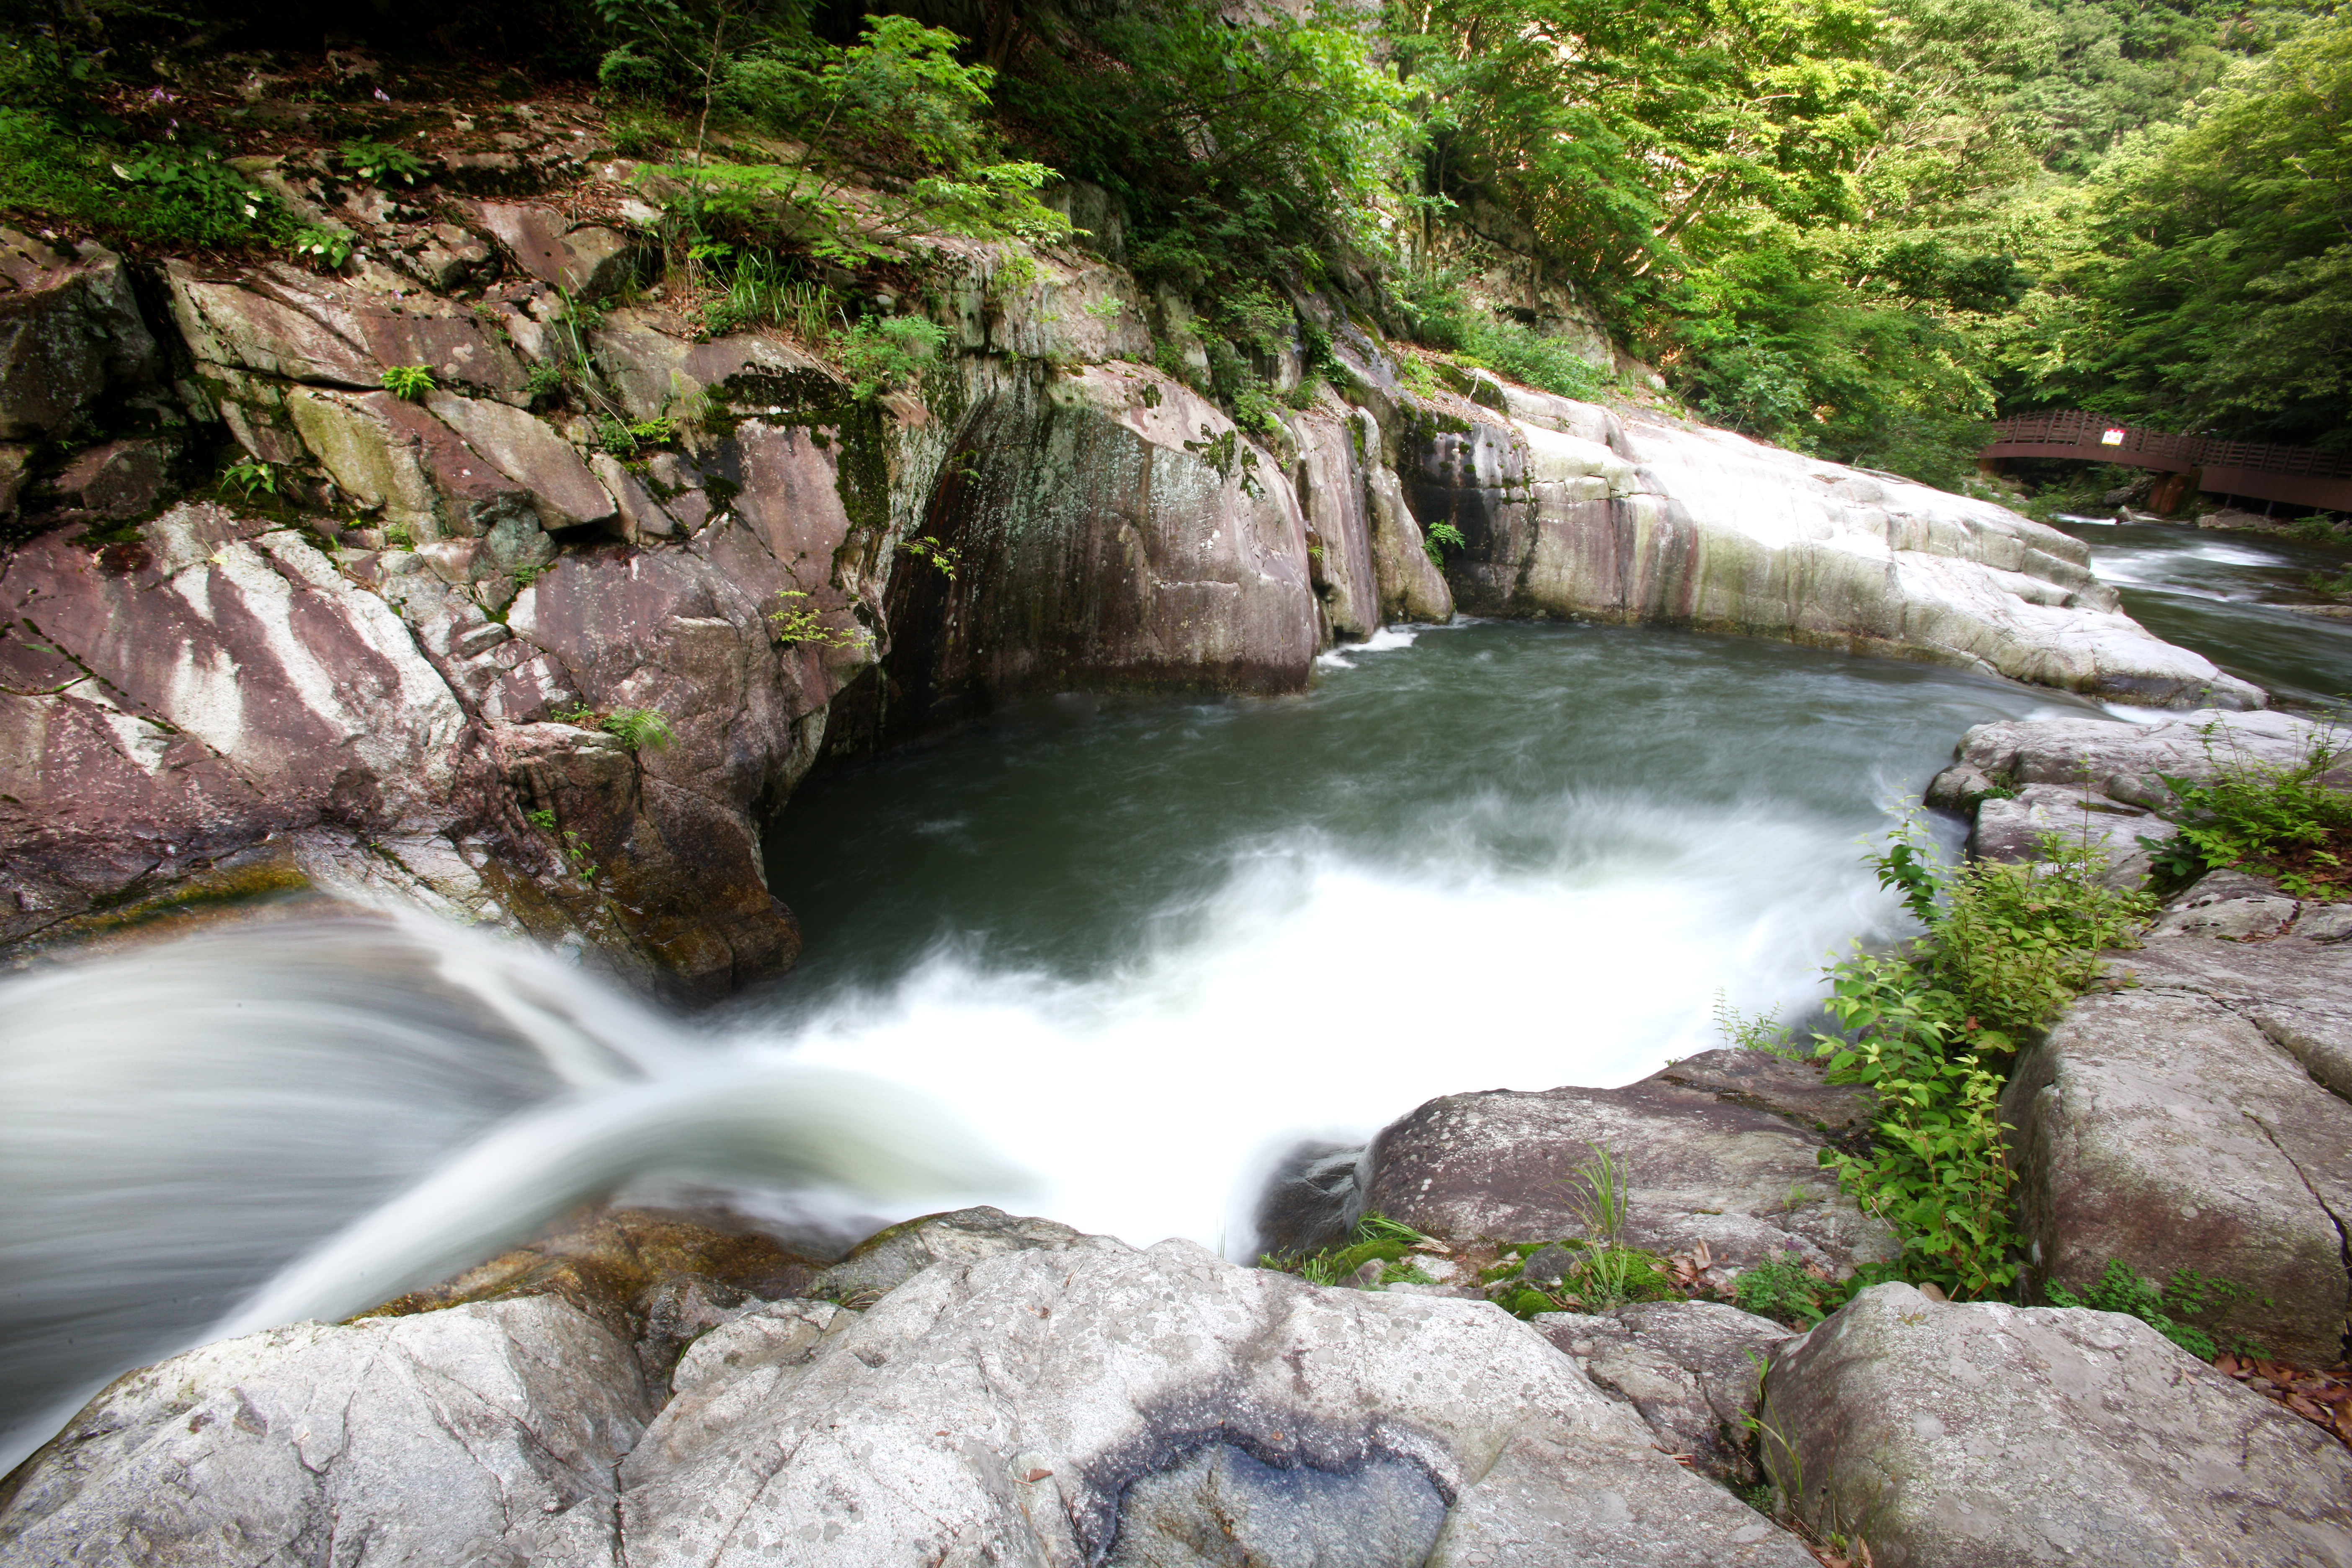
pixel 187 695
pixel 1996 1437
pixel 1093 1403
pixel 1110 528
pixel 486 1433
pixel 1569 510
pixel 2188 1123
pixel 1065 1404
pixel 70 336
pixel 1698 1162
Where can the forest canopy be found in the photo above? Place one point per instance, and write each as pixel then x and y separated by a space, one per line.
pixel 1859 227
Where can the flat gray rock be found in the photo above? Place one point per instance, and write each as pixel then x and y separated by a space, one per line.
pixel 1996 1437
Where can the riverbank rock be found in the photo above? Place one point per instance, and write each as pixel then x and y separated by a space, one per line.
pixel 1063 1404
pixel 2102 782
pixel 1697 1161
pixel 483 1433
pixel 1162 1407
pixel 2197 1120
pixel 1569 508
pixel 1996 1437
pixel 1694 1371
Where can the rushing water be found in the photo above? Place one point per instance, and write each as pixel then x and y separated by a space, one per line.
pixel 2219 592
pixel 1141 948
pixel 1148 948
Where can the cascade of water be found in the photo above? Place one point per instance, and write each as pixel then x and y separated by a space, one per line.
pixel 300 1121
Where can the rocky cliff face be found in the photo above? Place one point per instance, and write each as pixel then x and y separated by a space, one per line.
pixel 269 626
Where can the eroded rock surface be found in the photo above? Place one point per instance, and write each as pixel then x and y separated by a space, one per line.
pixel 1996 1437
pixel 1034 1403
pixel 1569 508
pixel 1695 1371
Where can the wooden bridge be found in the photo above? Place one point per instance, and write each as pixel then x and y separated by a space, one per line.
pixel 2298 476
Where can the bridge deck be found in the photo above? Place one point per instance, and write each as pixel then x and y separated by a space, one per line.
pixel 2300 475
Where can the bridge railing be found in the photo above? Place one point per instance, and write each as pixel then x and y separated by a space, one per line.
pixel 2089 432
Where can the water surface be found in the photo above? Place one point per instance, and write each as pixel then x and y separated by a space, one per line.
pixel 1144 947
pixel 2219 593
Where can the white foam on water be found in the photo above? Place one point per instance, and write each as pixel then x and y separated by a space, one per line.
pixel 1317 994
pixel 1388 639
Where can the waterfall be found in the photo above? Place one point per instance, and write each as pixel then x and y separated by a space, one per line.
pixel 291 1120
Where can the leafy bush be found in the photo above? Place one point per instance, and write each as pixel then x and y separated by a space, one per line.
pixel 2006 947
pixel 1525 356
pixel 2279 820
pixel 379 162
pixel 1439 537
pixel 154 196
pixel 2190 1294
pixel 883 352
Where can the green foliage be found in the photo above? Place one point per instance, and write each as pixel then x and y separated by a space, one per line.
pixel 251 475
pixel 1936 1172
pixel 628 437
pixel 1781 1288
pixel 380 162
pixel 1374 1238
pixel 897 103
pixel 409 383
pixel 1441 537
pixel 2202 278
pixel 327 247
pixel 154 195
pixel 945 558
pixel 2006 947
pixel 2190 1294
pixel 1764 1032
pixel 796 621
pixel 639 729
pixel 2277 819
pixel 1243 146
pixel 886 352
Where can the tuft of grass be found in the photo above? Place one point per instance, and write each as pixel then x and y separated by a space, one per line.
pixel 1374 1238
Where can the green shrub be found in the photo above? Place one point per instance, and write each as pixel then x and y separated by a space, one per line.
pixel 2279 820
pixel 380 162
pixel 883 352
pixel 1439 537
pixel 2006 947
pixel 154 196
pixel 2119 1290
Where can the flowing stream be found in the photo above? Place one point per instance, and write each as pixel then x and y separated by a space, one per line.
pixel 2219 593
pixel 1148 947
pixel 1138 949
